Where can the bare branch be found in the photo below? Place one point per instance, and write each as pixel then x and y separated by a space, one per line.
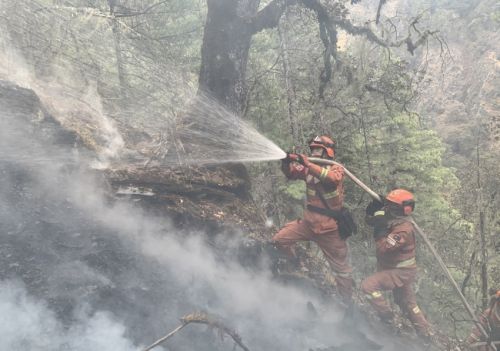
pixel 328 35
pixel 130 13
pixel 270 15
pixel 350 28
pixel 380 4
pixel 202 318
pixel 165 338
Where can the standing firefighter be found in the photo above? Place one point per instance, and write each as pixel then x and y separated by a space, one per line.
pixel 396 265
pixel 325 195
pixel 490 321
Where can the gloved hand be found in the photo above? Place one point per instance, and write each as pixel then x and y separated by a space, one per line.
pixel 374 206
pixel 292 157
pixel 288 158
pixel 303 160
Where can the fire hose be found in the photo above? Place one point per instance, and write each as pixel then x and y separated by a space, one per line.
pixel 424 237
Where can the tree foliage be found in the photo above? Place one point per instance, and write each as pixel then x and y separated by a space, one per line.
pixel 314 68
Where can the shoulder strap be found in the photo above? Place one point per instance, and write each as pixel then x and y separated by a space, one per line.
pixel 319 192
pixel 322 198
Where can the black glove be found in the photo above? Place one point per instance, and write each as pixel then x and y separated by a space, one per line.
pixel 299 159
pixel 302 159
pixel 374 206
pixel 291 157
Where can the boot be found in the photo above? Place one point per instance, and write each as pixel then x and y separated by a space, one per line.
pixel 428 338
pixel 387 318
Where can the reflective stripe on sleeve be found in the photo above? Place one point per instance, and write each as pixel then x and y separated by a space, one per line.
pixel 340 274
pixel 407 263
pixel 331 195
pixel 379 213
pixel 344 275
pixel 324 174
pixel 311 192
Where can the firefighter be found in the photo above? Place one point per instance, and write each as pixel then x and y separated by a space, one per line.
pixel 396 265
pixel 325 193
pixel 490 321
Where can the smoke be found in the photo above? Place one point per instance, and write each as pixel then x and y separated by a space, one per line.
pixel 55 218
pixel 158 117
pixel 28 324
pixel 99 273
pixel 77 107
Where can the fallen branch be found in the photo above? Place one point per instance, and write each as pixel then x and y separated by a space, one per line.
pixel 202 318
pixel 166 337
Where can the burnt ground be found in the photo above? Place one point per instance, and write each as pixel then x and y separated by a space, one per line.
pixel 67 253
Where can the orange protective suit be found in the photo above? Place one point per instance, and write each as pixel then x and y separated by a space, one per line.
pixel 321 229
pixel 396 272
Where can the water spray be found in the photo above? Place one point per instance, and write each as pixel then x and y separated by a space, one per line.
pixel 420 232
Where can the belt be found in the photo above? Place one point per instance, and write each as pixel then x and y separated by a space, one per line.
pixel 330 195
pixel 337 215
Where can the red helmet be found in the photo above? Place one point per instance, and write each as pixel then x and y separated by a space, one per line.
pixel 403 199
pixel 324 142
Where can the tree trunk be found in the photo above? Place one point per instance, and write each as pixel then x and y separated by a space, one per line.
pixel 290 88
pixel 118 52
pixel 224 53
pixel 484 255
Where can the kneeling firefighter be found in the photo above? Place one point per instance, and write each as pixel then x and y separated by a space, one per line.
pixel 325 220
pixel 490 321
pixel 396 266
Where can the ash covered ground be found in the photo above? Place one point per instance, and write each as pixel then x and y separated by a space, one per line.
pixel 83 270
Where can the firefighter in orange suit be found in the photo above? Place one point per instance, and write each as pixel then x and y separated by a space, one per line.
pixel 325 190
pixel 490 321
pixel 396 265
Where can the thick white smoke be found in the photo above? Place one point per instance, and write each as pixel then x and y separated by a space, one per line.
pixel 251 302
pixel 81 254
pixel 28 324
pixel 101 274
